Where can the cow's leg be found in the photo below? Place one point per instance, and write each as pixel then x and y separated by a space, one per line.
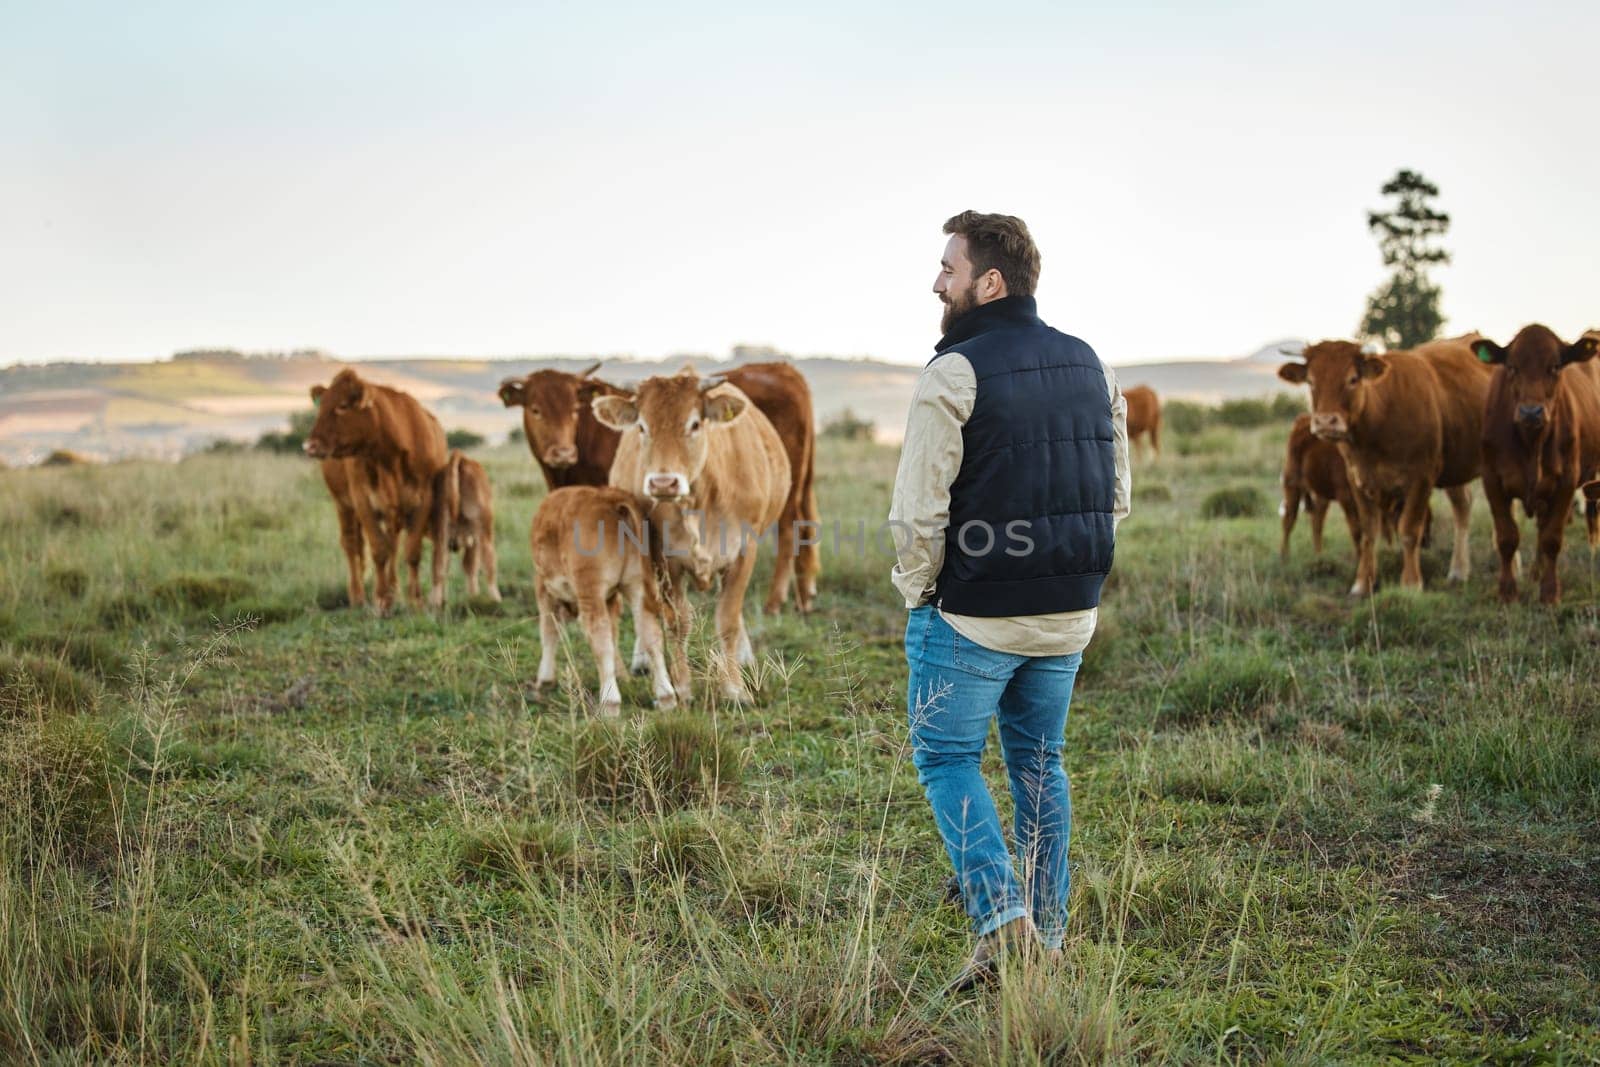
pixel 1289 513
pixel 1370 510
pixel 809 565
pixel 355 548
pixel 469 566
pixel 595 617
pixel 730 625
pixel 1319 516
pixel 783 563
pixel 549 635
pixel 1412 515
pixel 438 527
pixel 1552 528
pixel 1506 534
pixel 1352 521
pixel 414 532
pixel 1461 508
pixel 648 628
pixel 381 536
pixel 490 571
pixel 614 607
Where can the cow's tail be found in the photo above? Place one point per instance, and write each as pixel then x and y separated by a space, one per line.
pixel 452 498
pixel 1591 513
pixel 1289 510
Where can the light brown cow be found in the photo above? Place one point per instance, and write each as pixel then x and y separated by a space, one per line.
pixel 466 506
pixel 572 447
pixel 1144 416
pixel 1405 422
pixel 703 444
pixel 336 476
pixel 591 551
pixel 394 449
pixel 1541 443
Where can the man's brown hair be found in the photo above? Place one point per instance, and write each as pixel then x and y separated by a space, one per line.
pixel 1002 243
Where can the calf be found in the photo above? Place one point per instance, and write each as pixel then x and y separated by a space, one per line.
pixel 701 443
pixel 1314 475
pixel 1404 422
pixel 466 518
pixel 1541 444
pixel 1144 416
pixel 393 451
pixel 590 552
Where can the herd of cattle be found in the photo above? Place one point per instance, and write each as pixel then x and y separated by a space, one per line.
pixel 637 462
pixel 1385 430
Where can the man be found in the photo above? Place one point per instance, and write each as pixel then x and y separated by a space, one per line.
pixel 1012 479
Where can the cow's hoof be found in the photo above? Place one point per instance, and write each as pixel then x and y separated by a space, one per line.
pixel 494 594
pixel 667 701
pixel 737 695
pixel 609 709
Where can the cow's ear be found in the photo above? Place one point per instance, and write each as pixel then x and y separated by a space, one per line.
pixel 316 393
pixel 1580 351
pixel 1372 368
pixel 1488 352
pixel 511 392
pixel 725 407
pixel 361 395
pixel 1293 373
pixel 617 412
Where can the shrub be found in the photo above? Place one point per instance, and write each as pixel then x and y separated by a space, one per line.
pixel 62 457
pixel 848 426
pixel 292 440
pixel 675 759
pixel 35 686
pixel 1183 417
pixel 463 439
pixel 61 775
pixel 1234 502
pixel 1244 413
pixel 1151 492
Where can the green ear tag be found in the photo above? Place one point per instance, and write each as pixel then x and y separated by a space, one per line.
pixel 1484 354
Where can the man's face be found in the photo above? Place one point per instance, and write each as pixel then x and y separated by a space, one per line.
pixel 956 286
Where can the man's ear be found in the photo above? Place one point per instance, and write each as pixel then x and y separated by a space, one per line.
pixel 511 392
pixel 1582 350
pixel 1488 352
pixel 1372 368
pixel 724 407
pixel 1293 373
pixel 316 393
pixel 617 412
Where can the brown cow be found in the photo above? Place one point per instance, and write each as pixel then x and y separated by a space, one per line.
pixel 1144 416
pixel 702 443
pixel 1405 422
pixel 1314 475
pixel 590 552
pixel 572 447
pixel 336 476
pixel 394 449
pixel 1541 443
pixel 467 513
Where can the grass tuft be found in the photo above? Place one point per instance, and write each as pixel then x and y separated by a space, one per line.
pixel 1233 502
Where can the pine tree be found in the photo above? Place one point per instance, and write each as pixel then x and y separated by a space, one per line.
pixel 1404 311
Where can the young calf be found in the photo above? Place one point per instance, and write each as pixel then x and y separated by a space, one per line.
pixel 466 518
pixel 590 552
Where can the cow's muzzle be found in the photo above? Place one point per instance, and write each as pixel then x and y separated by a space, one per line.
pixel 1330 427
pixel 315 449
pixel 666 486
pixel 1530 415
pixel 560 457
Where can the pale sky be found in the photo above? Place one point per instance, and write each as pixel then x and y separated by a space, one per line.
pixel 381 178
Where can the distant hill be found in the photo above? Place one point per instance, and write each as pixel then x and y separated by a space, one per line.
pixel 174 406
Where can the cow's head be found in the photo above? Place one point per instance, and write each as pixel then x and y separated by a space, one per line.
pixel 345 417
pixel 1339 373
pixel 551 402
pixel 1528 371
pixel 672 416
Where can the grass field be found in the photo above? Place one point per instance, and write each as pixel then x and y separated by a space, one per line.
pixel 239 822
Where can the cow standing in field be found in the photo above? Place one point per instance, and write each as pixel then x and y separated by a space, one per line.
pixel 336 476
pixel 1144 416
pixel 591 551
pixel 573 447
pixel 393 451
pixel 1541 442
pixel 467 516
pixel 1405 422
pixel 702 444
pixel 1314 475
pixel 570 445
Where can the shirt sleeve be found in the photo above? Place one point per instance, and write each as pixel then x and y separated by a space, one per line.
pixel 930 459
pixel 1123 502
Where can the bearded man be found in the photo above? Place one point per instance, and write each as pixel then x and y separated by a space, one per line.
pixel 1012 480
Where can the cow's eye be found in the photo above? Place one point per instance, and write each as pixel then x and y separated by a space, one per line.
pixel 1354 378
pixel 535 413
pixel 694 425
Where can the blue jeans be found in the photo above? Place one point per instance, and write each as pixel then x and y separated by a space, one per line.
pixel 956 687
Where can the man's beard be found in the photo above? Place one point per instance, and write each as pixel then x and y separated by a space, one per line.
pixel 957 304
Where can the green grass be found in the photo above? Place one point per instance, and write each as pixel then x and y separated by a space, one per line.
pixel 239 821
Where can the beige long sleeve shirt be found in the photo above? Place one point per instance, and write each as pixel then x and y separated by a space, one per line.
pixel 930 459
